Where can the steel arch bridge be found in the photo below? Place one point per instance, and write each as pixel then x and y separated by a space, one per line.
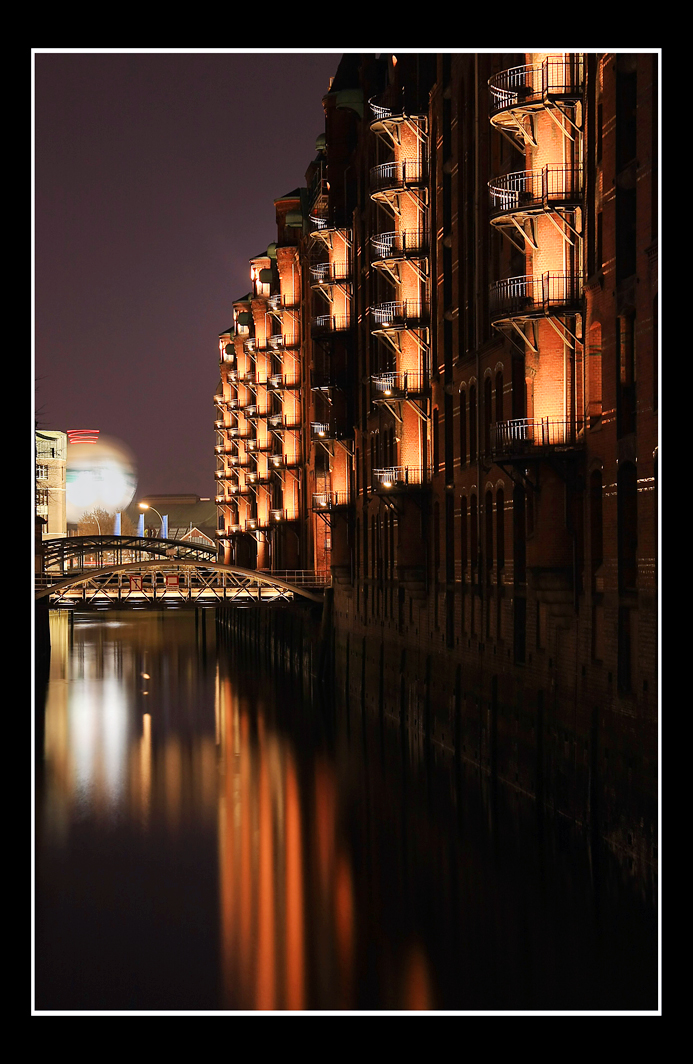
pixel 171 582
pixel 118 550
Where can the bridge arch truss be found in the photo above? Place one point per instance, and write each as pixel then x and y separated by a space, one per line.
pixel 162 583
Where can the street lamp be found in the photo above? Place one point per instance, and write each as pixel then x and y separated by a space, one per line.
pixel 146 506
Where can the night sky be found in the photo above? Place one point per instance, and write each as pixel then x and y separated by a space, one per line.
pixel 155 181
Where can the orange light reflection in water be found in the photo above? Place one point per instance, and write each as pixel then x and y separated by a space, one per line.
pixel 261 862
pixel 264 854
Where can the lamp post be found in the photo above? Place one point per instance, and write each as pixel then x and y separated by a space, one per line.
pixel 146 506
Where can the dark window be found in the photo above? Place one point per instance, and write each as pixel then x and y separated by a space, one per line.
pixel 596 525
pixel 627 487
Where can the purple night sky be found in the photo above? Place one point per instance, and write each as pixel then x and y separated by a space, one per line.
pixel 155 181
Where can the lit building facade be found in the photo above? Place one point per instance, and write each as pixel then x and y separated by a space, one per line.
pixel 477 459
pixel 51 466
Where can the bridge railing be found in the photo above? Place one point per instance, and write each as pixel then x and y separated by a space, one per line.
pixel 301 577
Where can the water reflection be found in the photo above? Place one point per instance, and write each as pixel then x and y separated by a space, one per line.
pixel 207 839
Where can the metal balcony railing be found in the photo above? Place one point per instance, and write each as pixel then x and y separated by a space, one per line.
pixel 553 186
pixel 529 85
pixel 330 273
pixel 520 296
pixel 407 242
pixel 395 102
pixel 330 500
pixel 280 382
pixel 279 516
pixel 408 173
pixel 326 430
pixel 399 314
pixel 393 384
pixel 396 478
pixel 329 323
pixel 523 434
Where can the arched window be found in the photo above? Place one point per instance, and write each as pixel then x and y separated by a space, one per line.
pixel 499 395
pixel 488 530
pixel 472 423
pixel 463 536
pixel 473 537
pixel 463 429
pixel 488 414
pixel 500 529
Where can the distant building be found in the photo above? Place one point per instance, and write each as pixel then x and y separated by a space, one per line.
pixel 51 465
pixel 190 517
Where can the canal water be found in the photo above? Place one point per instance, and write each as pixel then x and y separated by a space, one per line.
pixel 207 838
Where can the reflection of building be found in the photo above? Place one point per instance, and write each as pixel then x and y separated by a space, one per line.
pixel 475 281
pixel 51 461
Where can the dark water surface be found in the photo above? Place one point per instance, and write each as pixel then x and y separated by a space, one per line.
pixel 208 840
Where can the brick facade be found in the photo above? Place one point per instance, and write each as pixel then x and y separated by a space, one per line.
pixel 479 336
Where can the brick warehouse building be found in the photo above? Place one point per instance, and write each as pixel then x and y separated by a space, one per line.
pixel 443 387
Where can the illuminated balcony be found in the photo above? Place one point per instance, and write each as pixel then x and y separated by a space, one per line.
pixel 328 273
pixel 256 524
pixel 326 431
pixel 516 92
pixel 399 314
pixel 395 104
pixel 283 516
pixel 325 324
pixel 282 382
pixel 326 501
pixel 259 478
pixel 397 177
pixel 400 478
pixel 285 461
pixel 240 461
pixel 245 433
pixel 535 296
pixel 395 385
pixel 259 446
pixel 283 343
pixel 393 247
pixel 533 191
pixel 240 491
pixel 523 436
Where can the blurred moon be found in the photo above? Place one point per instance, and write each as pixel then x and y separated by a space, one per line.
pixel 100 476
